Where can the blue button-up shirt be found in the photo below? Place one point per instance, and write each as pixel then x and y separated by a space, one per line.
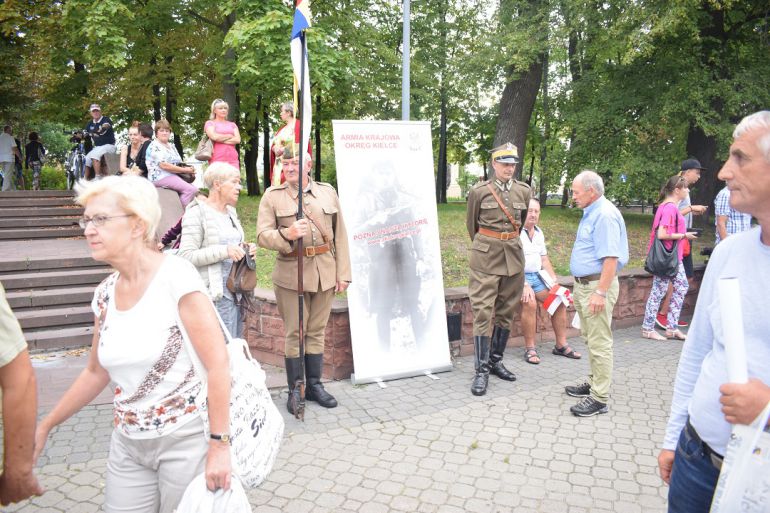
pixel 601 233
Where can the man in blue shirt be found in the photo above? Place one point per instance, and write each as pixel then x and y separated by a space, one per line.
pixel 599 253
pixel 705 404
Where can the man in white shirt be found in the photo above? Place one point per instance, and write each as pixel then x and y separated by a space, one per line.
pixel 536 290
pixel 705 403
pixel 8 154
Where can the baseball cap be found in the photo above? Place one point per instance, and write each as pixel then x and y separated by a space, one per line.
pixel 692 164
pixel 95 106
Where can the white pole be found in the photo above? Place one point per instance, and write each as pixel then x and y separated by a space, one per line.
pixel 405 67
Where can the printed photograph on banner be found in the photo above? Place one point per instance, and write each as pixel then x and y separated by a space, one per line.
pixel 396 300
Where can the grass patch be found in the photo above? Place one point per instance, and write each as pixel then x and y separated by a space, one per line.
pixel 559 226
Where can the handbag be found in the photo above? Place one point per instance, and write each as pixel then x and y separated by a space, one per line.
pixel 687 247
pixel 744 481
pixel 187 177
pixel 243 274
pixel 205 148
pixel 256 425
pixel 660 261
pixel 198 498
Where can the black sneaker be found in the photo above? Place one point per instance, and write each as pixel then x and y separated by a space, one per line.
pixel 578 391
pixel 589 407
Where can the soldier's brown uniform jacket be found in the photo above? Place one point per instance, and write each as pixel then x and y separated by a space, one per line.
pixel 277 209
pixel 490 255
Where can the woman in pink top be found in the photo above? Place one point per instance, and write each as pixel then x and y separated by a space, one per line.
pixel 671 226
pixel 223 133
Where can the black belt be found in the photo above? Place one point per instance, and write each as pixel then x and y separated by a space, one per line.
pixel 716 458
pixel 584 280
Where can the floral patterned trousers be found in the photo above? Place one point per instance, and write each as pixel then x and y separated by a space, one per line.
pixel 658 292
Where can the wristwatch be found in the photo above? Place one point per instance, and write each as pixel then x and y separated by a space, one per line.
pixel 224 438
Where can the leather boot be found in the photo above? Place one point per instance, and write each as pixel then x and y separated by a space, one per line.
pixel 315 390
pixel 293 373
pixel 481 352
pixel 496 367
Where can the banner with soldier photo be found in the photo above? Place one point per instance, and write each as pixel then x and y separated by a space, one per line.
pixel 396 300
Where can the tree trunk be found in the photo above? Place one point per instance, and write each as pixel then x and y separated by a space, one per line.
pixel 317 119
pixel 441 185
pixel 543 192
pixel 516 106
pixel 704 148
pixel 171 109
pixel 156 113
pixel 266 146
pixel 252 151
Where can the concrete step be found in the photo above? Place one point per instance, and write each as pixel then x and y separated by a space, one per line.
pixel 89 276
pixel 6 202
pixel 55 317
pixel 59 338
pixel 38 194
pixel 50 263
pixel 38 222
pixel 42 233
pixel 42 211
pixel 70 296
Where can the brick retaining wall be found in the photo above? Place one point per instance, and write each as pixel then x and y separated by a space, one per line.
pixel 264 327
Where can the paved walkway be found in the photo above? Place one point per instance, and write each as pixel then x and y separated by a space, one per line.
pixel 421 445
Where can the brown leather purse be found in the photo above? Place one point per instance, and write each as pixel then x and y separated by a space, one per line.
pixel 243 274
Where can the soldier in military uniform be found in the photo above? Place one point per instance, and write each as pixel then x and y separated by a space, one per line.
pixel 496 210
pixel 326 267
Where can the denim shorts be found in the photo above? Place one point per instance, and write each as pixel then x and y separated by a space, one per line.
pixel 535 281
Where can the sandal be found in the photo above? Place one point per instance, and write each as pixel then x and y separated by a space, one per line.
pixel 652 335
pixel 531 356
pixel 676 335
pixel 566 352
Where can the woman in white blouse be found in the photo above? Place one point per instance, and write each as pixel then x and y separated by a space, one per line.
pixel 143 315
pixel 163 164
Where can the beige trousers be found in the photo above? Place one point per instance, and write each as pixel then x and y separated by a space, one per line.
pixel 150 476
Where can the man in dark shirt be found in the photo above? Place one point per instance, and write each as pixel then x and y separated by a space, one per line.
pixel 103 136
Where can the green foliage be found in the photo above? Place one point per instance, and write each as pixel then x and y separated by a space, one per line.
pixel 52 178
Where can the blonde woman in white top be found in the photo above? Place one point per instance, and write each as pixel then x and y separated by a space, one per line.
pixel 143 312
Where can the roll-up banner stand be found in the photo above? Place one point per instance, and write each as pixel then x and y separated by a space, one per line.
pixel 396 299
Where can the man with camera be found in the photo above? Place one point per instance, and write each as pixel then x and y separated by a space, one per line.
pixel 103 136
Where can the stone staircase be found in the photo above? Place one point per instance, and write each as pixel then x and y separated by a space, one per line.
pixel 46 268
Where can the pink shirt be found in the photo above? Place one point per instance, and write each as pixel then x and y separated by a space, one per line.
pixel 223 152
pixel 669 217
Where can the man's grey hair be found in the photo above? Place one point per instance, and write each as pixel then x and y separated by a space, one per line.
pixel 591 180
pixel 758 120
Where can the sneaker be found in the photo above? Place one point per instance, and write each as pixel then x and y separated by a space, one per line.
pixel 682 324
pixel 661 321
pixel 589 407
pixel 578 391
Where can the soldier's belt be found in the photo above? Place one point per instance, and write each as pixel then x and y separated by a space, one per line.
pixel 311 251
pixel 498 235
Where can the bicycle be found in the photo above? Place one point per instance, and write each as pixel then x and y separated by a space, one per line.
pixel 75 163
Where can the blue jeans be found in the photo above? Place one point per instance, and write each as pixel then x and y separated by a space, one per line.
pixel 693 478
pixel 231 316
pixel 535 281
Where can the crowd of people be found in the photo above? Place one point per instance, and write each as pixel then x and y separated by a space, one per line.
pixel 11 159
pixel 158 307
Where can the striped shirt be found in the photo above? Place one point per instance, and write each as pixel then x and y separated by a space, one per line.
pixel 736 221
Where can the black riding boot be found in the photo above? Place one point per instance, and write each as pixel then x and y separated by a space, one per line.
pixel 496 367
pixel 315 389
pixel 293 373
pixel 481 379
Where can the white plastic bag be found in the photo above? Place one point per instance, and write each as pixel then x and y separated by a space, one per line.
pixel 744 481
pixel 199 499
